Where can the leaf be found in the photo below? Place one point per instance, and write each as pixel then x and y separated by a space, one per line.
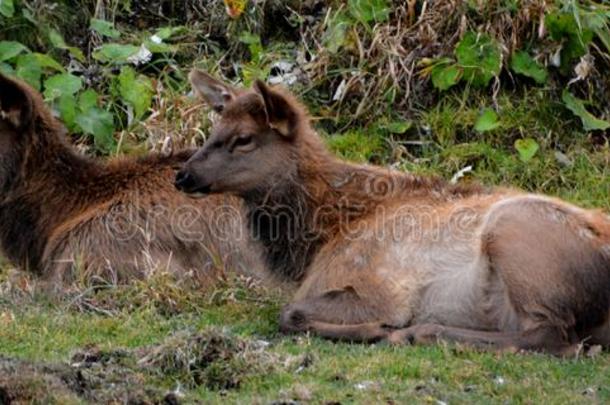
pixel 336 34
pixel 45 61
pixel 66 106
pixel 99 123
pixel 398 127
pixel 487 121
pixel 28 68
pixel 574 39
pixel 105 28
pixel 577 106
pixel 480 58
pixel 57 40
pixel 254 45
pixel 527 148
pixel 235 8
pixel 168 32
pixel 136 91
pixel 367 11
pixel 64 84
pixel 10 49
pixel 87 100
pixel 522 63
pixel 6 69
pixel 444 76
pixel 7 8
pixel 115 53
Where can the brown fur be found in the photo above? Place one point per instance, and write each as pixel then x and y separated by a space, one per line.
pixel 388 255
pixel 64 215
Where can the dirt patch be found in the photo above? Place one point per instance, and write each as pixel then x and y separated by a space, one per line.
pixel 212 358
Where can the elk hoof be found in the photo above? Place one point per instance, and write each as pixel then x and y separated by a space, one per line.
pixel 293 320
pixel 422 333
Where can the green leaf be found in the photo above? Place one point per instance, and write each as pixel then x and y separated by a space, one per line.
pixel 6 69
pixel 28 68
pixel 397 127
pixel 57 40
pixel 105 28
pixel 136 91
pixel 577 106
pixel 254 45
pixel 66 106
pixel 522 63
pixel 160 47
pixel 64 84
pixel 167 32
pixel 444 76
pixel 99 123
pixel 480 58
pixel 367 11
pixel 575 39
pixel 487 121
pixel 87 100
pixel 115 53
pixel 45 61
pixel 336 34
pixel 10 49
pixel 526 148
pixel 7 8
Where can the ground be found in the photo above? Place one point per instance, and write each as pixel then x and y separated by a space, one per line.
pixel 162 340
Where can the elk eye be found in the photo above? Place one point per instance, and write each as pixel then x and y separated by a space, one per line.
pixel 217 145
pixel 242 142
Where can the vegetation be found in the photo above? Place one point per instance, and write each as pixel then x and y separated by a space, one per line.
pixel 504 92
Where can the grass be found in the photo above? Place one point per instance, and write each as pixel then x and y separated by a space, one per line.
pixel 161 340
pixel 239 356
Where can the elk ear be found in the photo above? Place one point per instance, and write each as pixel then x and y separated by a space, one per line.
pixel 281 114
pixel 216 93
pixel 16 105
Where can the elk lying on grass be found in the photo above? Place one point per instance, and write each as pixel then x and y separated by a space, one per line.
pixel 385 255
pixel 61 212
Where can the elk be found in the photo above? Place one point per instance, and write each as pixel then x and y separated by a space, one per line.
pixel 383 255
pixel 64 215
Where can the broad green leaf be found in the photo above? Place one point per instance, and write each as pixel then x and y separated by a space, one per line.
pixel 487 121
pixel 398 127
pixel 105 28
pixel 135 90
pixel 160 47
pixel 7 69
pixel 167 32
pixel 57 40
pixel 367 11
pixel 10 49
pixel 480 58
pixel 444 76
pixel 66 105
pixel 28 68
pixel 99 123
pixel 115 53
pixel 522 63
pixel 526 148
pixel 64 84
pixel 575 40
pixel 336 33
pixel 254 45
pixel 87 100
pixel 577 106
pixel 45 61
pixel 7 8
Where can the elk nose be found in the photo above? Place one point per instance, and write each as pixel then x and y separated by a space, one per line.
pixel 184 181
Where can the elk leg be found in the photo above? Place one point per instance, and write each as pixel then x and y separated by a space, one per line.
pixel 338 315
pixel 543 338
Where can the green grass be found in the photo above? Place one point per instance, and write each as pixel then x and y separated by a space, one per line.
pixel 441 141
